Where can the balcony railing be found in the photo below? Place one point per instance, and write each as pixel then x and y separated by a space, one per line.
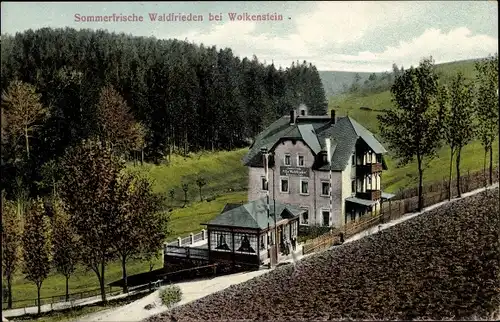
pixel 369 168
pixel 369 195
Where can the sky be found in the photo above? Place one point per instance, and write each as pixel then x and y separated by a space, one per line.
pixel 359 36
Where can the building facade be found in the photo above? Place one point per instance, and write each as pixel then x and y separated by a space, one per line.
pixel 301 173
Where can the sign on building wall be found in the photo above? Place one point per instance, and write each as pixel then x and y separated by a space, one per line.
pixel 294 171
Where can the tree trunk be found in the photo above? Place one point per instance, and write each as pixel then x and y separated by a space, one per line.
pixel 484 167
pixel 201 198
pixel 458 172
pixel 124 274
pixel 420 185
pixel 9 290
pixel 67 288
pixel 491 164
pixel 101 282
pixel 27 143
pixel 449 177
pixel 38 287
pixel 185 199
pixel 142 156
pixel 149 279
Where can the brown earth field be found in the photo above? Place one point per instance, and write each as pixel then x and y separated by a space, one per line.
pixel 441 265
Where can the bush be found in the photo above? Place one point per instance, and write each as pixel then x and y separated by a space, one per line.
pixel 170 295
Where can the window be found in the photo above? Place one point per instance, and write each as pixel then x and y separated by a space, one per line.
pixel 326 217
pixel 302 112
pixel 245 243
pixel 353 186
pixel 300 160
pixel 304 187
pixel 353 159
pixel 221 241
pixel 287 159
pixel 304 218
pixel 379 158
pixel 262 244
pixel 325 158
pixel 284 185
pixel 369 158
pixel 369 180
pixel 325 188
pixel 264 184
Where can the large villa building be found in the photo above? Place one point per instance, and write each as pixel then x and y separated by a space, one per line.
pixel 304 170
pixel 300 173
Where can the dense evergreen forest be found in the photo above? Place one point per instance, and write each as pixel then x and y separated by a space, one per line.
pixel 186 97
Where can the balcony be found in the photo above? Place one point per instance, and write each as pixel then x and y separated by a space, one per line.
pixel 368 168
pixel 369 195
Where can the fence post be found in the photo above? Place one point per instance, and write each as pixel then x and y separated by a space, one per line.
pixel 192 238
pixel 203 234
pixel 179 241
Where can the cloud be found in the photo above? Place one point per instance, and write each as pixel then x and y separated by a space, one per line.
pixel 457 44
pixel 341 23
pixel 322 36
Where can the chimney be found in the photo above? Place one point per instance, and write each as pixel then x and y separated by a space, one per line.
pixel 292 117
pixel 332 115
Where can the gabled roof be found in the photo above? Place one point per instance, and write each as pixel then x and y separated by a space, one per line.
pixel 310 137
pixel 254 214
pixel 313 130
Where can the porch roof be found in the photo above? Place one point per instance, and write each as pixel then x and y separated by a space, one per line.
pixel 254 215
pixel 363 202
pixel 387 196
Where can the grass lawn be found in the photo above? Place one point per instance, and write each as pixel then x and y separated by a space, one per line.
pixel 223 172
pixel 189 219
pixel 81 281
pixel 74 313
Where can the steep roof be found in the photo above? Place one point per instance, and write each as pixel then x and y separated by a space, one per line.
pixel 313 130
pixel 254 214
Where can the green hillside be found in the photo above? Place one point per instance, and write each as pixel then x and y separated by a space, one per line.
pixel 365 109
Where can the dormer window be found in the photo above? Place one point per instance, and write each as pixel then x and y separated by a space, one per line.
pixel 325 158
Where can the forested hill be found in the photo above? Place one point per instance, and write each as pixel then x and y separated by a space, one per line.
pixel 186 95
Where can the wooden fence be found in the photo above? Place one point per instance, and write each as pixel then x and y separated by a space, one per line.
pixel 50 300
pixel 187 252
pixel 434 193
pixel 469 181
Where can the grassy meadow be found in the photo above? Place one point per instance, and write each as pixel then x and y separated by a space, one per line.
pixel 227 180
